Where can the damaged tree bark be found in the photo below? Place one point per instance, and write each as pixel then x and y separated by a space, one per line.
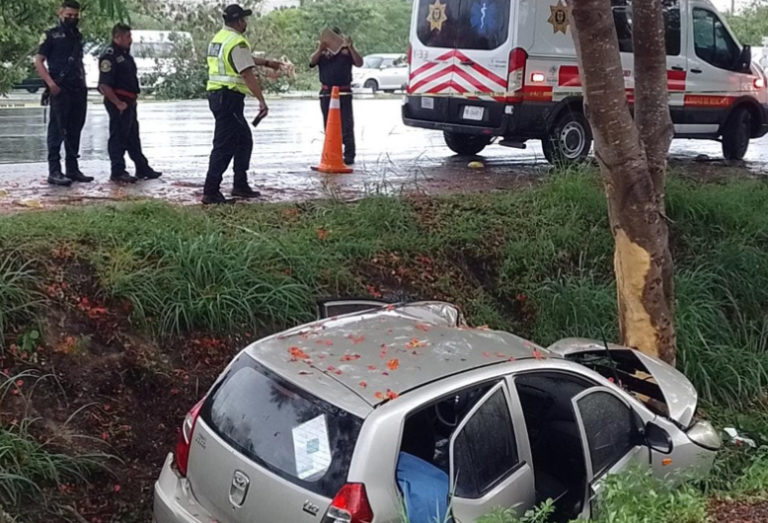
pixel 633 158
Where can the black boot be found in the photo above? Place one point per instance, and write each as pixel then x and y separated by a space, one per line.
pixel 122 177
pixel 148 174
pixel 76 176
pixel 215 199
pixel 56 178
pixel 244 191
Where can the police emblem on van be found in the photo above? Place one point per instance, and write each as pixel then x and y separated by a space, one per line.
pixel 558 17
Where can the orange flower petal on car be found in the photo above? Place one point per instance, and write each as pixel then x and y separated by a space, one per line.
pixel 363 384
pixel 393 364
pixel 297 354
pixel 391 394
pixel 379 395
pixel 423 327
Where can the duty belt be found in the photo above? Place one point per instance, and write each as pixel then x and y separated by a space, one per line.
pixel 343 88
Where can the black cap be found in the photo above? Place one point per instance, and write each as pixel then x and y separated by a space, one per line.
pixel 235 12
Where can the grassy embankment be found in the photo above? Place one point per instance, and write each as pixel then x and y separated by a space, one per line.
pixel 135 308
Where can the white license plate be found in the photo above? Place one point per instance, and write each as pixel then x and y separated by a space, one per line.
pixel 473 113
pixel 427 103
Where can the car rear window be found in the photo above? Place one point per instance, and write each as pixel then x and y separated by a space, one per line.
pixel 282 427
pixel 463 24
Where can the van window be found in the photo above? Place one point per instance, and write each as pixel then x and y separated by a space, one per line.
pixel 712 42
pixel 463 24
pixel 622 18
pixel 282 427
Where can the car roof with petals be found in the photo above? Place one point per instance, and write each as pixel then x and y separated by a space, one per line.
pixel 361 360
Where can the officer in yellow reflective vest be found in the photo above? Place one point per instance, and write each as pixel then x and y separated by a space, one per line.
pixel 231 76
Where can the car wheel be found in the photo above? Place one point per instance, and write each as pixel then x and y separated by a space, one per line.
pixel 569 140
pixel 371 84
pixel 466 144
pixel 32 90
pixel 736 134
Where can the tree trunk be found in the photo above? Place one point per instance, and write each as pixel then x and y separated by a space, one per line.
pixel 631 168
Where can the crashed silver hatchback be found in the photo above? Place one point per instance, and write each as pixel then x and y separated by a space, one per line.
pixel 370 414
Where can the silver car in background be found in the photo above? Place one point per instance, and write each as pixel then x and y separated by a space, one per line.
pixel 312 424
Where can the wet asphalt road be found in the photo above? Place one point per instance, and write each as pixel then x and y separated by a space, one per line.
pixel 177 138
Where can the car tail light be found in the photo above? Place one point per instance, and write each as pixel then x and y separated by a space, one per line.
pixel 349 506
pixel 516 79
pixel 185 437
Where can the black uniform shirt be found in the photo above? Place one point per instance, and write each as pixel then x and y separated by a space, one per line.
pixel 118 70
pixel 336 70
pixel 63 51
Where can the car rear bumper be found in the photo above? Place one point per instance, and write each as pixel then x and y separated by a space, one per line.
pixel 174 501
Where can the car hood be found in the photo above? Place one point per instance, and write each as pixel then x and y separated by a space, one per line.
pixel 679 394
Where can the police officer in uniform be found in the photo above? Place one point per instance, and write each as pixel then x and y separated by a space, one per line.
pixel 62 49
pixel 119 83
pixel 231 76
pixel 335 70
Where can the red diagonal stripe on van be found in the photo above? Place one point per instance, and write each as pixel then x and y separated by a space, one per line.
pixel 429 65
pixel 482 70
pixel 568 76
pixel 434 76
pixel 474 82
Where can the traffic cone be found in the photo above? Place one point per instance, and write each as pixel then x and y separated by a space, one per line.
pixel 332 161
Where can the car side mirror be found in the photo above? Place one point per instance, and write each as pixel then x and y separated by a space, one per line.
pixel 657 438
pixel 745 59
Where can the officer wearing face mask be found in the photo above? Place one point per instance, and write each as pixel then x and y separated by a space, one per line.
pixel 62 50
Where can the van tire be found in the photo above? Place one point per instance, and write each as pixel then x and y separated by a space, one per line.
pixel 371 84
pixel 736 134
pixel 466 144
pixel 569 140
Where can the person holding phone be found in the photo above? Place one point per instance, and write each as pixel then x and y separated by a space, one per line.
pixel 232 76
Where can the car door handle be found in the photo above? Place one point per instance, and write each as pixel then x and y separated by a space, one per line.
pixel 677 68
pixel 468 62
pixel 697 71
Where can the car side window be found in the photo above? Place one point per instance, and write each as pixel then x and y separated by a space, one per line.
pixel 484 450
pixel 610 427
pixel 386 64
pixel 712 42
pixel 622 18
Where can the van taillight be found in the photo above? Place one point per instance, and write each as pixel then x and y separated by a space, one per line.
pixel 410 54
pixel 516 79
pixel 185 437
pixel 350 506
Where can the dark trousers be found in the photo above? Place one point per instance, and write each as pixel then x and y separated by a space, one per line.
pixel 68 110
pixel 347 120
pixel 231 139
pixel 124 136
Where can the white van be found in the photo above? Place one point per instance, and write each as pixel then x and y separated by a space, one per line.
pixel 153 52
pixel 480 69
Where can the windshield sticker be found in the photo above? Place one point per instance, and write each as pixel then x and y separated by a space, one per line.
pixel 311 448
pixel 436 16
pixel 558 17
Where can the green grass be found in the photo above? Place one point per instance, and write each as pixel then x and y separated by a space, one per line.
pixel 18 295
pixel 29 465
pixel 260 268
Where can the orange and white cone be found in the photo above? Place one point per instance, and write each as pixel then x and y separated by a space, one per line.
pixel 332 161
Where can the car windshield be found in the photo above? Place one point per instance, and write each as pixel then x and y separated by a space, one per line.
pixel 463 24
pixel 372 62
pixel 282 427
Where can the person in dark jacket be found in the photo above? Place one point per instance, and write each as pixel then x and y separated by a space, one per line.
pixel 119 83
pixel 335 70
pixel 59 62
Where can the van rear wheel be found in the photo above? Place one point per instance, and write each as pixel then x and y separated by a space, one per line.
pixel 569 140
pixel 466 144
pixel 736 134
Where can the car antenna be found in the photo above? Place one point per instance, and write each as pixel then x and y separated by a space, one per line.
pixel 614 364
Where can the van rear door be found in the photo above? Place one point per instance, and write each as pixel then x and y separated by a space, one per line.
pixel 460 50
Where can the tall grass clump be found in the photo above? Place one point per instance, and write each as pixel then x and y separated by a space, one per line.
pixel 212 283
pixel 18 295
pixel 29 465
